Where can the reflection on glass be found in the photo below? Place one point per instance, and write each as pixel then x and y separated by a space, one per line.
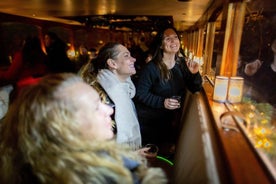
pixel 257 65
pixel 257 61
pixel 260 129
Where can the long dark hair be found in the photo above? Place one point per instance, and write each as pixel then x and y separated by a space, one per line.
pixel 56 42
pixel 32 52
pixel 158 53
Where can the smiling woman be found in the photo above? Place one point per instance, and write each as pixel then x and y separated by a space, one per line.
pixel 213 32
pixel 113 66
pixel 165 76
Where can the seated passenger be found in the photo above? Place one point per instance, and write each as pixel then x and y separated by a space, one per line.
pixel 59 131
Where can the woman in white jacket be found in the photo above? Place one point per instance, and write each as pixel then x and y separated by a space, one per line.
pixel 113 69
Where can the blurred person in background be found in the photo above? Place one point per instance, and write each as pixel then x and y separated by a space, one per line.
pixel 57 59
pixel 27 66
pixel 30 61
pixel 260 75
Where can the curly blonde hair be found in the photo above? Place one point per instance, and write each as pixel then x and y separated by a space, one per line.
pixel 40 141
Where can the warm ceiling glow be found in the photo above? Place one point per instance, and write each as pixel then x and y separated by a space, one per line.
pixel 106 7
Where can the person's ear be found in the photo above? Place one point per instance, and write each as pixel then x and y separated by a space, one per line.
pixel 111 63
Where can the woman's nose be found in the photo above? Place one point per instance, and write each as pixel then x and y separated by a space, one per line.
pixel 109 108
pixel 133 59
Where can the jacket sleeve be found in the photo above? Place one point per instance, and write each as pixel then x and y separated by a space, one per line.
pixel 194 81
pixel 144 87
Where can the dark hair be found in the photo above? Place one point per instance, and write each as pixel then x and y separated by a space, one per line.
pixel 108 51
pixel 158 52
pixel 56 41
pixel 32 52
pixel 267 54
pixel 52 35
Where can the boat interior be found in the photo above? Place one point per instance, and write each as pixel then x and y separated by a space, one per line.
pixel 134 14
pixel 216 33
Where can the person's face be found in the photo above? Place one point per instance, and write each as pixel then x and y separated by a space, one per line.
pixel 93 116
pixel 171 43
pixel 124 63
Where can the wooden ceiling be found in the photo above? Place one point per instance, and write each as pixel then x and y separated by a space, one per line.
pixel 183 13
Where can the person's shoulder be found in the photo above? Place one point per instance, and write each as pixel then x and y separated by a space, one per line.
pixel 150 68
pixel 150 65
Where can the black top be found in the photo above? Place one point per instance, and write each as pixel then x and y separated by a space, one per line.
pixel 57 59
pixel 156 122
pixel 263 83
pixel 152 91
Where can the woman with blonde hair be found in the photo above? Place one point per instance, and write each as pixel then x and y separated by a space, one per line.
pixel 59 131
pixel 110 73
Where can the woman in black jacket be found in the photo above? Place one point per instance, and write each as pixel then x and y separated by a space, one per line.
pixel 165 76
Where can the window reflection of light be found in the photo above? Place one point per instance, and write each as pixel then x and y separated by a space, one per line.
pixel 68 5
pixel 106 7
pixel 86 6
pixel 71 53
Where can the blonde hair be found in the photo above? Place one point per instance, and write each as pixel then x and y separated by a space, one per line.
pixel 39 138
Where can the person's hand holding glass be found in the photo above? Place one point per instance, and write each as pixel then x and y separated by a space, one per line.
pixel 149 151
pixel 173 102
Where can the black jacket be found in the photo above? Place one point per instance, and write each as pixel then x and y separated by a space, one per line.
pixel 152 91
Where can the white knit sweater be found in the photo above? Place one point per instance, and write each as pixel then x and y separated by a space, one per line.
pixel 121 93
